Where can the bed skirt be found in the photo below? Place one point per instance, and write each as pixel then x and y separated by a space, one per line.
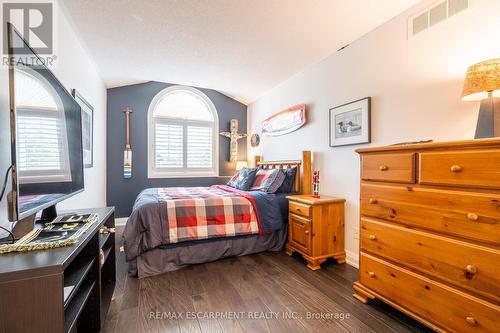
pixel 158 261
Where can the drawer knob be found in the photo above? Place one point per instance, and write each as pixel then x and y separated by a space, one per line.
pixel 456 168
pixel 383 168
pixel 373 200
pixel 471 321
pixel 471 269
pixel 372 237
pixel 472 217
pixel 306 232
pixel 371 274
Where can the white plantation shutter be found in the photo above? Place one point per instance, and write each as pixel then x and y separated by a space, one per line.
pixel 39 142
pixel 169 146
pixel 42 151
pixel 199 147
pixel 183 129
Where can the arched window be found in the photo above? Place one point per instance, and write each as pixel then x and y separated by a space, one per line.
pixel 182 134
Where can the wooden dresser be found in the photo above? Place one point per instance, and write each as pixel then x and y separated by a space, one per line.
pixel 430 232
pixel 316 228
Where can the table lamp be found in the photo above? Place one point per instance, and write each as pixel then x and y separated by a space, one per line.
pixel 241 164
pixel 482 83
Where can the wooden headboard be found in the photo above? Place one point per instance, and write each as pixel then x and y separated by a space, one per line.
pixel 303 178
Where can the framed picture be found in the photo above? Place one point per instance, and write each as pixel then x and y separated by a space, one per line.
pixel 87 129
pixel 350 123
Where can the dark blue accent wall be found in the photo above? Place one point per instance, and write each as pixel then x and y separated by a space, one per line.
pixel 121 192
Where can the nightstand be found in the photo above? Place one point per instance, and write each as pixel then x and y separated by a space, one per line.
pixel 316 228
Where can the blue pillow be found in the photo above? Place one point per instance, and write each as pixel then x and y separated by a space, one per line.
pixel 243 179
pixel 289 182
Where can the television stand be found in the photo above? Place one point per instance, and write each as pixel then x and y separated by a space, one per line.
pixel 63 289
pixel 24 226
pixel 48 214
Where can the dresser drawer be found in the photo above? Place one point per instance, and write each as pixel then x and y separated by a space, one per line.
pixel 465 265
pixel 398 168
pixel 470 215
pixel 461 168
pixel 299 234
pixel 299 209
pixel 435 302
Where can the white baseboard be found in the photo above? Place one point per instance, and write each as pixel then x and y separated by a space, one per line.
pixel 352 258
pixel 121 221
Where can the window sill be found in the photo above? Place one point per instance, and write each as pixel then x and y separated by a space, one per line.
pixel 182 175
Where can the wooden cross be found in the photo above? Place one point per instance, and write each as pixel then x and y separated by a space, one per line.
pixel 234 136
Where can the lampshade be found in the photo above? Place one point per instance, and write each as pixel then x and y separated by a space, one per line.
pixel 482 78
pixel 241 164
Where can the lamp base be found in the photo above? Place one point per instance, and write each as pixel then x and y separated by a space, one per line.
pixel 488 121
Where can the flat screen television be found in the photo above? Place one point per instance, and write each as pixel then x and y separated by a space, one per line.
pixel 46 135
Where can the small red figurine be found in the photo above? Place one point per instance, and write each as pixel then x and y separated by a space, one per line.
pixel 315 184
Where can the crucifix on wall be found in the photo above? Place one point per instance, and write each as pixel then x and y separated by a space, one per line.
pixel 234 136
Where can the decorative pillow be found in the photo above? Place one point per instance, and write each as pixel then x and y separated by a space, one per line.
pixel 233 179
pixel 268 180
pixel 289 182
pixel 243 179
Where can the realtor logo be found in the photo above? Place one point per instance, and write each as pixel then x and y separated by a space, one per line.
pixel 35 21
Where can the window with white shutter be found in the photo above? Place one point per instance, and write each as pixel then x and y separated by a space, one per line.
pixel 182 134
pixel 42 149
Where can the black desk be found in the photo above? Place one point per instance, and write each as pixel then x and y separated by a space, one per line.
pixel 32 296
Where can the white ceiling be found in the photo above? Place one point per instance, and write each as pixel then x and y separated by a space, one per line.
pixel 242 48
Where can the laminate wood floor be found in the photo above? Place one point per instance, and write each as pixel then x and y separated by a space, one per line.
pixel 266 292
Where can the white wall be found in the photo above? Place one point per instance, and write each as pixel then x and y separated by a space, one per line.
pixel 415 87
pixel 75 69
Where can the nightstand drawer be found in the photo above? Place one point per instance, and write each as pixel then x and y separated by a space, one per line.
pixel 399 168
pixel 300 233
pixel 461 168
pixel 299 209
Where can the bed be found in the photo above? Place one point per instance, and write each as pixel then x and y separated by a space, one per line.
pixel 247 222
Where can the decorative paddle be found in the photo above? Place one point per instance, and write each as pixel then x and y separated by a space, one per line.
pixel 127 153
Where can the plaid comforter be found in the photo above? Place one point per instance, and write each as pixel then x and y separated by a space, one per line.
pixel 195 213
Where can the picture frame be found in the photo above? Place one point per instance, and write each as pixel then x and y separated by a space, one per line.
pixel 350 123
pixel 87 129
